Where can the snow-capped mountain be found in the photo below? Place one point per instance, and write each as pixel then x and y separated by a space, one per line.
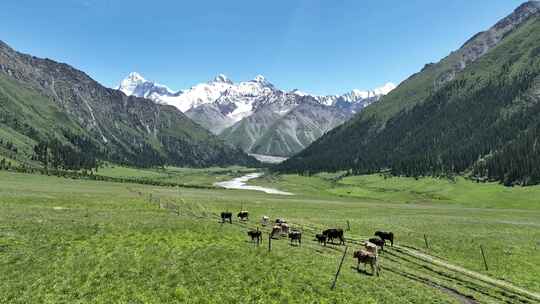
pixel 220 96
pixel 238 99
pixel 244 113
pixel 352 96
pixel 355 100
pixel 136 85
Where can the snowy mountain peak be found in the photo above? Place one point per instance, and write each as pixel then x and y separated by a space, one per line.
pixel 385 89
pixel 298 92
pixel 222 78
pixel 135 77
pixel 134 84
pixel 130 83
pixel 259 79
pixel 220 103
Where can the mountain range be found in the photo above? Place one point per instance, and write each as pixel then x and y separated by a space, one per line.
pixel 255 115
pixel 475 112
pixel 55 114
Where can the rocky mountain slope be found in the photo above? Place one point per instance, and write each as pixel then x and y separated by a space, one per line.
pixel 62 109
pixel 476 111
pixel 255 115
pixel 285 129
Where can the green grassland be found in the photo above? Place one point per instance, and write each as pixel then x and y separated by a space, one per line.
pixel 457 217
pixel 78 241
pixel 181 176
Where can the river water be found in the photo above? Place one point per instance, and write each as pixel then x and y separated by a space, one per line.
pixel 240 183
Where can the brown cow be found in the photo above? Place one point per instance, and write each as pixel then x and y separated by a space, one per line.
pixel 276 230
pixel 365 257
pixel 284 229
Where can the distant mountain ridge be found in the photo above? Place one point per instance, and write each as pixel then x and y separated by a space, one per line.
pixel 52 104
pixel 475 112
pixel 246 114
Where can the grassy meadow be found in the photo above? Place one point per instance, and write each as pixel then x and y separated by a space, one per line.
pixel 181 176
pixel 77 241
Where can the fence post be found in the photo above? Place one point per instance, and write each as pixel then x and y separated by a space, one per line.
pixel 484 256
pixel 426 240
pixel 339 268
pixel 258 238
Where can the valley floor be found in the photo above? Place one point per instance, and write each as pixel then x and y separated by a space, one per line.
pixel 65 241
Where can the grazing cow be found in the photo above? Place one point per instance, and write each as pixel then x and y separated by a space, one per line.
pixel 243 215
pixel 226 216
pixel 264 220
pixel 284 229
pixel 365 257
pixel 371 248
pixel 296 236
pixel 333 233
pixel 386 236
pixel 280 221
pixel 377 242
pixel 256 235
pixel 321 238
pixel 276 230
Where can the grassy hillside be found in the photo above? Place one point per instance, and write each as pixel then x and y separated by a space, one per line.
pixel 76 120
pixel 82 241
pixel 481 119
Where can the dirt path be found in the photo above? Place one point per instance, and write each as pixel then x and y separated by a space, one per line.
pixel 469 273
pixel 462 298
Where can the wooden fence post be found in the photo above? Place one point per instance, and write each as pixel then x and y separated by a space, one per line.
pixel 484 256
pixel 339 268
pixel 426 240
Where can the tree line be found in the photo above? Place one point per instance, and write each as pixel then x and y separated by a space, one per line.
pixel 485 125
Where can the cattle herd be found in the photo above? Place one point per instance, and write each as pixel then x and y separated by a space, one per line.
pixel 280 228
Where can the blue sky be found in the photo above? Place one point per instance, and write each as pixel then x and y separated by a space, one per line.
pixel 322 47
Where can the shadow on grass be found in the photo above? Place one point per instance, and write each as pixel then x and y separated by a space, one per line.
pixel 362 271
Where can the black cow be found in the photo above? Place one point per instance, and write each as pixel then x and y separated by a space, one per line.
pixel 256 235
pixel 296 236
pixel 334 233
pixel 378 242
pixel 280 221
pixel 243 215
pixel 386 236
pixel 226 216
pixel 321 238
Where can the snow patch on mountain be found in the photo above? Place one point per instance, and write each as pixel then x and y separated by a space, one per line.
pixel 236 101
pixel 134 84
pixel 239 98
